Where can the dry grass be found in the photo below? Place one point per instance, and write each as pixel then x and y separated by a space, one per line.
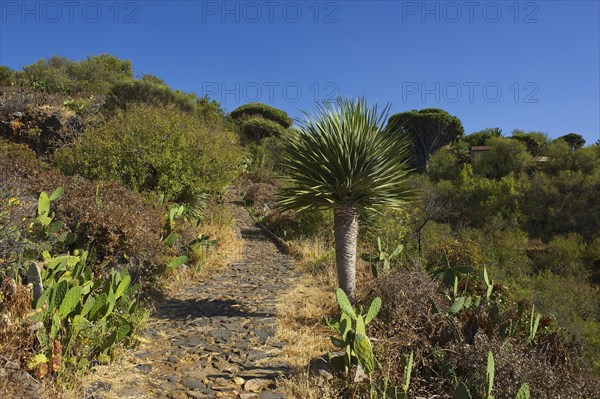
pixel 304 386
pixel 300 319
pixel 229 249
pixel 300 325
pixel 118 374
pixel 205 261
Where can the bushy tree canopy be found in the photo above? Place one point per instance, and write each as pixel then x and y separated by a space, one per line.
pixel 429 130
pixel 576 141
pixel 444 165
pixel 263 110
pixel 257 121
pixel 258 128
pixel 535 142
pixel 479 138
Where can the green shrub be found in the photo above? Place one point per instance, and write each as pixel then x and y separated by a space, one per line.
pixel 267 112
pixel 7 76
pixel 155 149
pixel 535 142
pixel 563 256
pixel 562 204
pixel 153 92
pixel 569 299
pixel 505 156
pixel 473 200
pixel 51 75
pixel 591 332
pixel 434 232
pixel 505 252
pixel 453 252
pixel 575 305
pixel 561 157
pixel 64 76
pixel 98 73
pixel 270 153
pixel 154 79
pixel 316 223
pixel 391 226
pixel 586 160
pixel 444 165
pixel 125 94
pixel 591 255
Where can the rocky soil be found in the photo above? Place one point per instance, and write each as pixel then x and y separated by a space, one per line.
pixel 213 340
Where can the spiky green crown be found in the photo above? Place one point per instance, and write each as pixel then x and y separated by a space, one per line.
pixel 341 155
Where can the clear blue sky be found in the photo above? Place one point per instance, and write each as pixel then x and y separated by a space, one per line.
pixel 529 65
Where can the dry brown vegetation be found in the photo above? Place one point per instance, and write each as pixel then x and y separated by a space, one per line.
pixel 16 342
pixel 42 121
pixel 450 349
pixel 445 349
pixel 15 303
pixel 120 225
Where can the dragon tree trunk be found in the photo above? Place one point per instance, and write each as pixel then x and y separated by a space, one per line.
pixel 345 225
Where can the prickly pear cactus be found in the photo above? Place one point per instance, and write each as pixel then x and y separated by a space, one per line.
pixel 364 352
pixel 360 325
pixel 59 292
pixel 461 392
pixel 357 346
pixel 489 377
pixel 373 310
pixel 407 373
pixel 523 392
pixel 123 285
pixel 96 310
pixel 70 301
pixel 344 303
pixel 88 305
pixel 34 276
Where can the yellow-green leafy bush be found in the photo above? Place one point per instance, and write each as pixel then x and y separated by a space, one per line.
pixel 155 149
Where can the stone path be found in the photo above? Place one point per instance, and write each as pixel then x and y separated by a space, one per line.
pixel 216 339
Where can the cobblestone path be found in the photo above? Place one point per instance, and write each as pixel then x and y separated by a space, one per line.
pixel 215 339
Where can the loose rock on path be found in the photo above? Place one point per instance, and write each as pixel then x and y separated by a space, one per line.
pixel 215 339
